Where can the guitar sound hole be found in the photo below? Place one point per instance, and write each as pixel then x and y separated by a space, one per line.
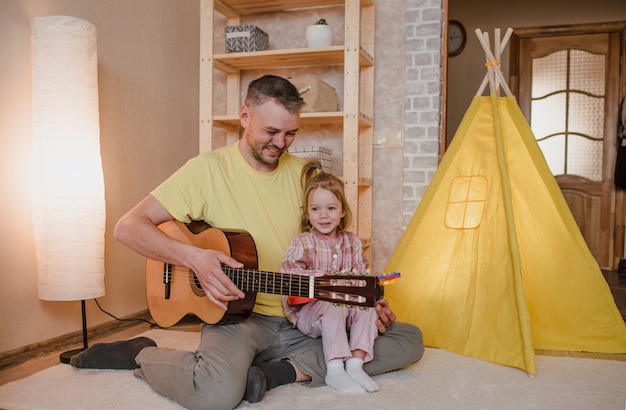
pixel 194 283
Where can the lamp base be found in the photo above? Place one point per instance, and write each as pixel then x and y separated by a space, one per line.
pixel 66 356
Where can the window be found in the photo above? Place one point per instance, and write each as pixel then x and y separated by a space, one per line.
pixel 567 111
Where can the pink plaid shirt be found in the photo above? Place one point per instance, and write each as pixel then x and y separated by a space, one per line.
pixel 313 253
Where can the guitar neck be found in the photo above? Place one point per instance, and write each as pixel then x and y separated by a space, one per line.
pixel 349 289
pixel 271 282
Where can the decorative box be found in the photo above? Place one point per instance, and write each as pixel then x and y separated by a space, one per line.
pixel 318 95
pixel 245 38
pixel 323 154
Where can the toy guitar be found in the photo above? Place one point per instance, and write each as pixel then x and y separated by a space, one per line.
pixel 174 292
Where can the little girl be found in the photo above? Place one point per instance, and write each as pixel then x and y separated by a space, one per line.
pixel 324 247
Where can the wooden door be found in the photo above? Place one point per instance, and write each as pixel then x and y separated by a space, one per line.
pixel 568 87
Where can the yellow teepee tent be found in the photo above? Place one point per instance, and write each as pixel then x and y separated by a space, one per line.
pixel 493 264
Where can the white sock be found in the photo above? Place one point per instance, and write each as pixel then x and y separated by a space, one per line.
pixel 338 379
pixel 354 369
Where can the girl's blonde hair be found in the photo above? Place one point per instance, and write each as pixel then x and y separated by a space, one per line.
pixel 314 177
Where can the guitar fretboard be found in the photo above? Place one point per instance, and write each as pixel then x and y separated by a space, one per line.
pixel 270 282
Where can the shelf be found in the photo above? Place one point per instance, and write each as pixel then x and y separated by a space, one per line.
pixel 355 58
pixel 235 8
pixel 294 57
pixel 231 122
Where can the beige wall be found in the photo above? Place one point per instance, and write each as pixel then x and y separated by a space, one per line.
pixel 148 76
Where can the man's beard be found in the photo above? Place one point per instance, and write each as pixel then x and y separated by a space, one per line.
pixel 258 155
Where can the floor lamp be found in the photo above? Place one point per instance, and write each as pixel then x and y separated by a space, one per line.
pixel 68 207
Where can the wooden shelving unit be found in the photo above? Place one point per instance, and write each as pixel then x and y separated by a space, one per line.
pixel 357 57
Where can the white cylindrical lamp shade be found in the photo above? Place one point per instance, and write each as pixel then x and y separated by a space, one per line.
pixel 68 205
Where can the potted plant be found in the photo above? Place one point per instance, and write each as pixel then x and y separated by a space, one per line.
pixel 319 34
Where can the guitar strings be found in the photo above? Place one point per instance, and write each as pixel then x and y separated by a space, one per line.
pixel 267 282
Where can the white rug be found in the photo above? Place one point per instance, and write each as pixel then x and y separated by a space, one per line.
pixel 441 380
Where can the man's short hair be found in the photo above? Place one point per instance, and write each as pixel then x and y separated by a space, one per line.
pixel 278 88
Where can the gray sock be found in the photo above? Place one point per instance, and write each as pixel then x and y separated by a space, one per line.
pixel 265 377
pixel 115 355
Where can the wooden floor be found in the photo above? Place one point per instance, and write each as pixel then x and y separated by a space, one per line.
pixel 616 283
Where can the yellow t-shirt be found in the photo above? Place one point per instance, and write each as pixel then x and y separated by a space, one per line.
pixel 222 189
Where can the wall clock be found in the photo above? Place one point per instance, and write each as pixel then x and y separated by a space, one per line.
pixel 456 38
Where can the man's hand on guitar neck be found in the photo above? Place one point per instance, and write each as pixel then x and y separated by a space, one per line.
pixel 385 316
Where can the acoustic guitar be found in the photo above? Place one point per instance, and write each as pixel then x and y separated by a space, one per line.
pixel 174 292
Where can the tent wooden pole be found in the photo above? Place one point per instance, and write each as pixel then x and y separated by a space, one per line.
pixel 497 54
pixel 502 46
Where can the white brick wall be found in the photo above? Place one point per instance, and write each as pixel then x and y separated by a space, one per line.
pixel 424 33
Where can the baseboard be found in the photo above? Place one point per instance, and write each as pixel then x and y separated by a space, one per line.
pixel 71 340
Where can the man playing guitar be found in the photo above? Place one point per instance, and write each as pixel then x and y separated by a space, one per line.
pixel 251 185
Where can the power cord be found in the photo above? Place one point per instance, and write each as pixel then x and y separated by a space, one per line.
pixel 125 320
